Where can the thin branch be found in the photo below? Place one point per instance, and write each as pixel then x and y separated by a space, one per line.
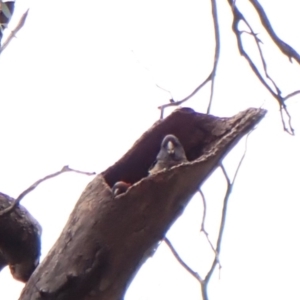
pixel 193 273
pixel 177 103
pixel 211 76
pixel 224 212
pixel 283 47
pixel 204 209
pixel 217 51
pixel 291 95
pixel 14 32
pixel 237 17
pixel 33 186
pixel 222 224
pixel 258 44
pixel 202 229
pixel 242 158
pixel 204 283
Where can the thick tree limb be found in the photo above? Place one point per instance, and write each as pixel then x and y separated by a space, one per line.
pixel 20 237
pixel 107 239
pixel 285 48
pixel 20 233
pixel 6 12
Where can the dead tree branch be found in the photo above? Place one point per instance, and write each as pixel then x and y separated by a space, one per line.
pixel 33 186
pixel 20 240
pixel 114 252
pixel 6 12
pixel 203 226
pixel 217 52
pixel 204 282
pixel 15 31
pixel 286 49
pixel 177 256
pixel 177 103
pixel 230 185
pixel 211 76
pixel 273 88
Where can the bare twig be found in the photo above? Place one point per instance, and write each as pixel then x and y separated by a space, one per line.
pixel 258 42
pixel 217 52
pixel 202 229
pixel 204 282
pixel 14 32
pixel 177 103
pixel 242 158
pixel 237 17
pixel 193 273
pixel 291 95
pixel 222 224
pixel 211 76
pixel 204 209
pixel 282 46
pixel 33 186
pixel 230 185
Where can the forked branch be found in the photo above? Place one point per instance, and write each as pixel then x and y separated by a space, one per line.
pixel 270 85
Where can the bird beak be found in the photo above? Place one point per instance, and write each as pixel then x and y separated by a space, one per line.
pixel 170 147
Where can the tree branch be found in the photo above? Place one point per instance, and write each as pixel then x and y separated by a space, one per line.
pixel 223 220
pixel 211 76
pixel 282 46
pixel 33 186
pixel 237 17
pixel 177 103
pixel 105 267
pixel 203 223
pixel 183 264
pixel 15 31
pixel 217 51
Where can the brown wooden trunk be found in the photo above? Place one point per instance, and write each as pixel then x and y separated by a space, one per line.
pixel 107 239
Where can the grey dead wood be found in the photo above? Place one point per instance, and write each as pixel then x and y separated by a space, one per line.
pixel 106 239
pixel 20 240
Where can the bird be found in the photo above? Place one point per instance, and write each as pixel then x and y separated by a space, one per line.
pixel 6 11
pixel 171 153
pixel 120 187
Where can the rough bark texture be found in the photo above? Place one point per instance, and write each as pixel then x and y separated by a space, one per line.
pixel 5 18
pixel 106 240
pixel 20 242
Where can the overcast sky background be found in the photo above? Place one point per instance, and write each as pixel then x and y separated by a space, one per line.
pixel 80 80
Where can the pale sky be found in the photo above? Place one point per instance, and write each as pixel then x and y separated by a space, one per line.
pixel 78 82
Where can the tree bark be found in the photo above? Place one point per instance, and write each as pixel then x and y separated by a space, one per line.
pixel 107 239
pixel 20 240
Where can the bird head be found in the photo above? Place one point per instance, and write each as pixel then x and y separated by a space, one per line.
pixel 120 187
pixel 171 153
pixel 171 147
